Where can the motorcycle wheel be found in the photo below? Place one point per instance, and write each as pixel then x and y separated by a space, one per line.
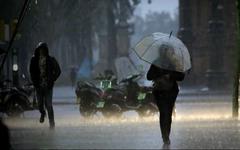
pixel 114 110
pixel 14 109
pixel 146 111
pixel 16 104
pixel 87 112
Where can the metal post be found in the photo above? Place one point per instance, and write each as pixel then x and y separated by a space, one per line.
pixel 235 102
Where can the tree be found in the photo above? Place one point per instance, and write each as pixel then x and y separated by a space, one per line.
pixel 110 14
pixel 69 25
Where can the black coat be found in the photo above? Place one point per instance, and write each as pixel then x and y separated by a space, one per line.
pixel 53 71
pixel 155 72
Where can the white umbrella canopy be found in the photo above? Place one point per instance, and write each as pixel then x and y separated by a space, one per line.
pixel 125 68
pixel 164 51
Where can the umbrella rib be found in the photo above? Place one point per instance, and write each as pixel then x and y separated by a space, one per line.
pixel 140 42
pixel 141 57
pixel 182 59
pixel 143 39
pixel 145 52
pixel 148 48
pixel 146 61
pixel 136 53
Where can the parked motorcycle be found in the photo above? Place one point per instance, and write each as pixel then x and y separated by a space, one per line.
pixel 88 96
pixel 29 89
pixel 96 97
pixel 138 98
pixel 113 99
pixel 13 100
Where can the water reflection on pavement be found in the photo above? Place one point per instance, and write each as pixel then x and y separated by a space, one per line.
pixel 212 127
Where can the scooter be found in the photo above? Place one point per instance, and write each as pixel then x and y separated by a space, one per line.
pixel 138 98
pixel 94 98
pixel 13 101
pixel 88 96
pixel 112 97
pixel 29 89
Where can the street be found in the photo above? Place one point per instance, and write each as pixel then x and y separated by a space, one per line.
pixel 115 57
pixel 197 125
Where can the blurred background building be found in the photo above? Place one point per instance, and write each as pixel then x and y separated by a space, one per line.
pixel 209 29
pixel 90 34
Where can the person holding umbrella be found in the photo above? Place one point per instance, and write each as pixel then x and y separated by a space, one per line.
pixel 169 59
pixel 165 91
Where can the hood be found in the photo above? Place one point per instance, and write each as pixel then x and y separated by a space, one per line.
pixel 43 47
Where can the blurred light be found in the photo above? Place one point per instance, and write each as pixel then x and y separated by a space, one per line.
pixel 97 120
pixel 15 67
pixel 36 2
pixel 202 117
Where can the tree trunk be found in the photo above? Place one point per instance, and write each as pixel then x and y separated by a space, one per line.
pixel 111 31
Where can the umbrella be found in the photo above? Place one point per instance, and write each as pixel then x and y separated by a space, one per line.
pixel 125 69
pixel 164 51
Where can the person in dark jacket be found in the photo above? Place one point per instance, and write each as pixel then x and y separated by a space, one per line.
pixel 165 91
pixel 44 71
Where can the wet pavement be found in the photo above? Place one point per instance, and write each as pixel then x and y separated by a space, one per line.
pixel 197 125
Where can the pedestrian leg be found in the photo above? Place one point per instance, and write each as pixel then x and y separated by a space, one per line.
pixel 168 121
pixel 164 120
pixel 48 104
pixel 40 99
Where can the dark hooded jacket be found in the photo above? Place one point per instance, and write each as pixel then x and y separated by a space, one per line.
pixel 53 69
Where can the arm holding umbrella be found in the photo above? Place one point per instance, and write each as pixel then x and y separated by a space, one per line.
pixel 155 72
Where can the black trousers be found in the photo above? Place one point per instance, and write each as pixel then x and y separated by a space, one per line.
pixel 44 96
pixel 165 101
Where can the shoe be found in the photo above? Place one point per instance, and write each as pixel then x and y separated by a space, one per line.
pixel 166 146
pixel 166 141
pixel 52 125
pixel 41 120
